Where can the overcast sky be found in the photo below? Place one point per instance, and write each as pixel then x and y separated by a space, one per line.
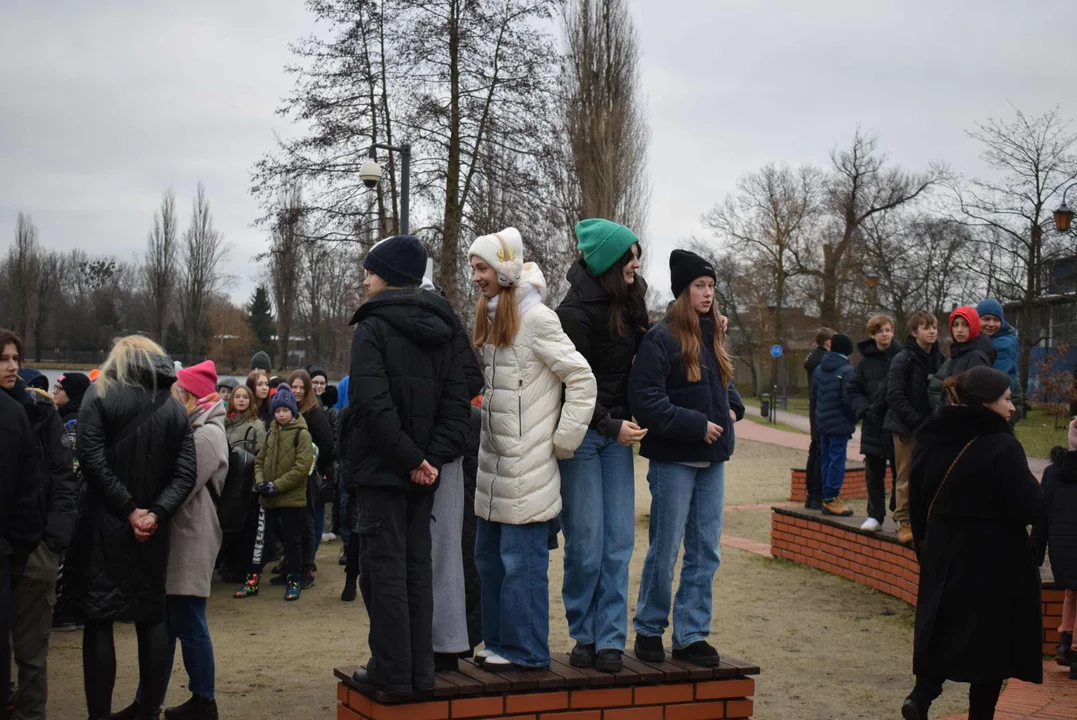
pixel 105 104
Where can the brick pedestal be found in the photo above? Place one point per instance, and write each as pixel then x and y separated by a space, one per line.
pixel 855 487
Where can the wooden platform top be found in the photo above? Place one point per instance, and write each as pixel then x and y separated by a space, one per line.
pixel 472 681
pixel 888 533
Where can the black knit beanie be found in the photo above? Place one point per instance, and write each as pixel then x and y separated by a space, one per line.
pixel 399 260
pixel 684 267
pixel 841 344
pixel 75 384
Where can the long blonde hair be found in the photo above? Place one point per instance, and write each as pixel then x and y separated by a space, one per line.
pixel 128 363
pixel 506 319
pixel 684 324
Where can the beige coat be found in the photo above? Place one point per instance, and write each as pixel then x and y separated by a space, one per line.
pixel 195 532
pixel 525 425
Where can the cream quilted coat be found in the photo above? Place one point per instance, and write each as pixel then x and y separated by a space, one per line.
pixel 525 427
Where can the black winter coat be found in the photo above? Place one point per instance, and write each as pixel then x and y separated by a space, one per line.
pixel 407 387
pixel 675 411
pixel 869 384
pixel 21 525
pixel 109 575
pixel 1057 533
pixel 978 612
pixel 837 407
pixel 584 315
pixel 963 356
pixel 57 504
pixel 810 363
pixel 907 400
pixel 321 433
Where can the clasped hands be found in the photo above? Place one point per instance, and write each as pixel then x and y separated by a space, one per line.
pixel 425 474
pixel 144 523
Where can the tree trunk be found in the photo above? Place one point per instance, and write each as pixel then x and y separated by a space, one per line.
pixel 450 246
pixel 828 306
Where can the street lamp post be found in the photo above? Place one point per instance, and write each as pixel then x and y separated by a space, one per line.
pixel 1063 215
pixel 370 174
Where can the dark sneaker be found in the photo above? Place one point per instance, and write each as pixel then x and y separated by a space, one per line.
pixel 1064 655
pixel 911 710
pixel 649 649
pixel 197 708
pixel 292 591
pixel 700 652
pixel 249 588
pixel 131 712
pixel 583 656
pixel 307 581
pixel 609 661
pixel 443 662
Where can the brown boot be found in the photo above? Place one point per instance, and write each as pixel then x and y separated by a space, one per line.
pixel 837 507
pixel 905 533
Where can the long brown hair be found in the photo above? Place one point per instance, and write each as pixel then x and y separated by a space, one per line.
pixel 506 319
pixel 251 413
pixel 310 400
pixel 684 324
pixel 252 385
pixel 627 302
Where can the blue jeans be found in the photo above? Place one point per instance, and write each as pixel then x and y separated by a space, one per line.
pixel 598 518
pixel 686 503
pixel 512 562
pixel 832 460
pixel 187 623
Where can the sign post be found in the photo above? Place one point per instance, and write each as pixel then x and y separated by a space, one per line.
pixel 776 351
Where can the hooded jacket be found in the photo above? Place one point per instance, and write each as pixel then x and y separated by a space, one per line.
pixel 21 524
pixel 584 315
pixel 286 460
pixel 908 404
pixel 870 385
pixel 526 427
pixel 409 401
pixel 1057 533
pixel 109 575
pixel 676 411
pixel 196 532
pixel 963 356
pixel 810 363
pixel 837 406
pixel 978 610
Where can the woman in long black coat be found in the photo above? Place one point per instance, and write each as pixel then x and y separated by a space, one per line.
pixel 137 457
pixel 971 497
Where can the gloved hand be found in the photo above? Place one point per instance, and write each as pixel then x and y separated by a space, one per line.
pixel 267 489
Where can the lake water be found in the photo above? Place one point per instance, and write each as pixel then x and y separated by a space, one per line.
pixel 54 375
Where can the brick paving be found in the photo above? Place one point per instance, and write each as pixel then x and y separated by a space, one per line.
pixel 1056 699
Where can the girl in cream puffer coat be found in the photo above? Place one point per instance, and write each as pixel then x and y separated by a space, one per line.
pixel 526 428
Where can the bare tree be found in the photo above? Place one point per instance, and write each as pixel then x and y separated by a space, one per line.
pixel 603 117
pixel 159 268
pixel 285 257
pixel 22 270
pixel 1032 159
pixel 202 252
pixel 859 186
pixel 51 272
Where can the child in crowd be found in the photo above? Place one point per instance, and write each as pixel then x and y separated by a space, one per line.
pixel 969 349
pixel 908 403
pixel 280 476
pixel 1058 533
pixel 837 409
pixel 814 479
pixel 1007 351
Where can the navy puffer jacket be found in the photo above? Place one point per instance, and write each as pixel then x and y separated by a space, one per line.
pixel 837 406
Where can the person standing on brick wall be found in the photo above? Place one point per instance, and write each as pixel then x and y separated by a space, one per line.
pixel 813 473
pixel 971 496
pixel 970 348
pixel 876 444
pixel 908 405
pixel 1057 533
pixel 681 390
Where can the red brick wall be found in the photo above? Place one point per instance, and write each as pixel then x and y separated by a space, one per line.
pixel 854 486
pixel 881 564
pixel 707 700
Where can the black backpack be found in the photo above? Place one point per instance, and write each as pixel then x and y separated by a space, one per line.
pixel 234 497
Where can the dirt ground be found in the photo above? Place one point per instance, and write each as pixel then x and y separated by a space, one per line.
pixel 828 648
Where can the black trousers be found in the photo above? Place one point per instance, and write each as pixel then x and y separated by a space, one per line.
pixel 814 472
pixel 875 479
pixel 5 634
pixel 982 696
pixel 99 665
pixel 313 481
pixel 238 547
pixel 289 523
pixel 396 580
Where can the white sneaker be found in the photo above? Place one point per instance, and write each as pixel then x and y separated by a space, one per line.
pixel 494 661
pixel 328 537
pixel 871 525
pixel 481 655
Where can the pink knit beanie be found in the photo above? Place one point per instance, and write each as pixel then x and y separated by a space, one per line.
pixel 200 380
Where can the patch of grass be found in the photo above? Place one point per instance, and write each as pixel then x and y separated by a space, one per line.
pixel 1038 435
pixel 797 405
pixel 777 426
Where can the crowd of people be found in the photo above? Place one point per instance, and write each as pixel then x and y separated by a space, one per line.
pixel 451 463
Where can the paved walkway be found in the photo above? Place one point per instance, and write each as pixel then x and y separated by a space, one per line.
pixel 1055 699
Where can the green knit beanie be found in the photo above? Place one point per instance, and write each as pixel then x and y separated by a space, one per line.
pixel 602 243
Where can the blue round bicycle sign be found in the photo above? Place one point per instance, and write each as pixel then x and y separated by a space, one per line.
pixel 776 350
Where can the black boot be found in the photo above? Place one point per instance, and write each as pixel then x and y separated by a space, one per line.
pixel 700 652
pixel 609 660
pixel 349 593
pixel 131 712
pixel 1064 656
pixel 583 656
pixel 913 709
pixel 649 649
pixel 197 708
pixel 445 662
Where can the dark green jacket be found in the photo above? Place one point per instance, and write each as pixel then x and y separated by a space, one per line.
pixel 285 459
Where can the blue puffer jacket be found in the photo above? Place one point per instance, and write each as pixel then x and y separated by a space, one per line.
pixel 837 406
pixel 1006 352
pixel 675 411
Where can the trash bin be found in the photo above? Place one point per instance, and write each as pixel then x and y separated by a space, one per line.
pixel 764 405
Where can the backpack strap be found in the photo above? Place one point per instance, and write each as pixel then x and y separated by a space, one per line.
pixel 947 476
pixel 146 413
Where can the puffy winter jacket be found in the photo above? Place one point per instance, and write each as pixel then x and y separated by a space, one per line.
pixel 1057 532
pixel 21 525
pixel 963 356
pixel 409 402
pixel 1007 354
pixel 674 411
pixel 195 531
pixel 286 460
pixel 584 315
pixel 870 384
pixel 525 426
pixel 907 401
pixel 810 363
pixel 838 406
pixel 108 574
